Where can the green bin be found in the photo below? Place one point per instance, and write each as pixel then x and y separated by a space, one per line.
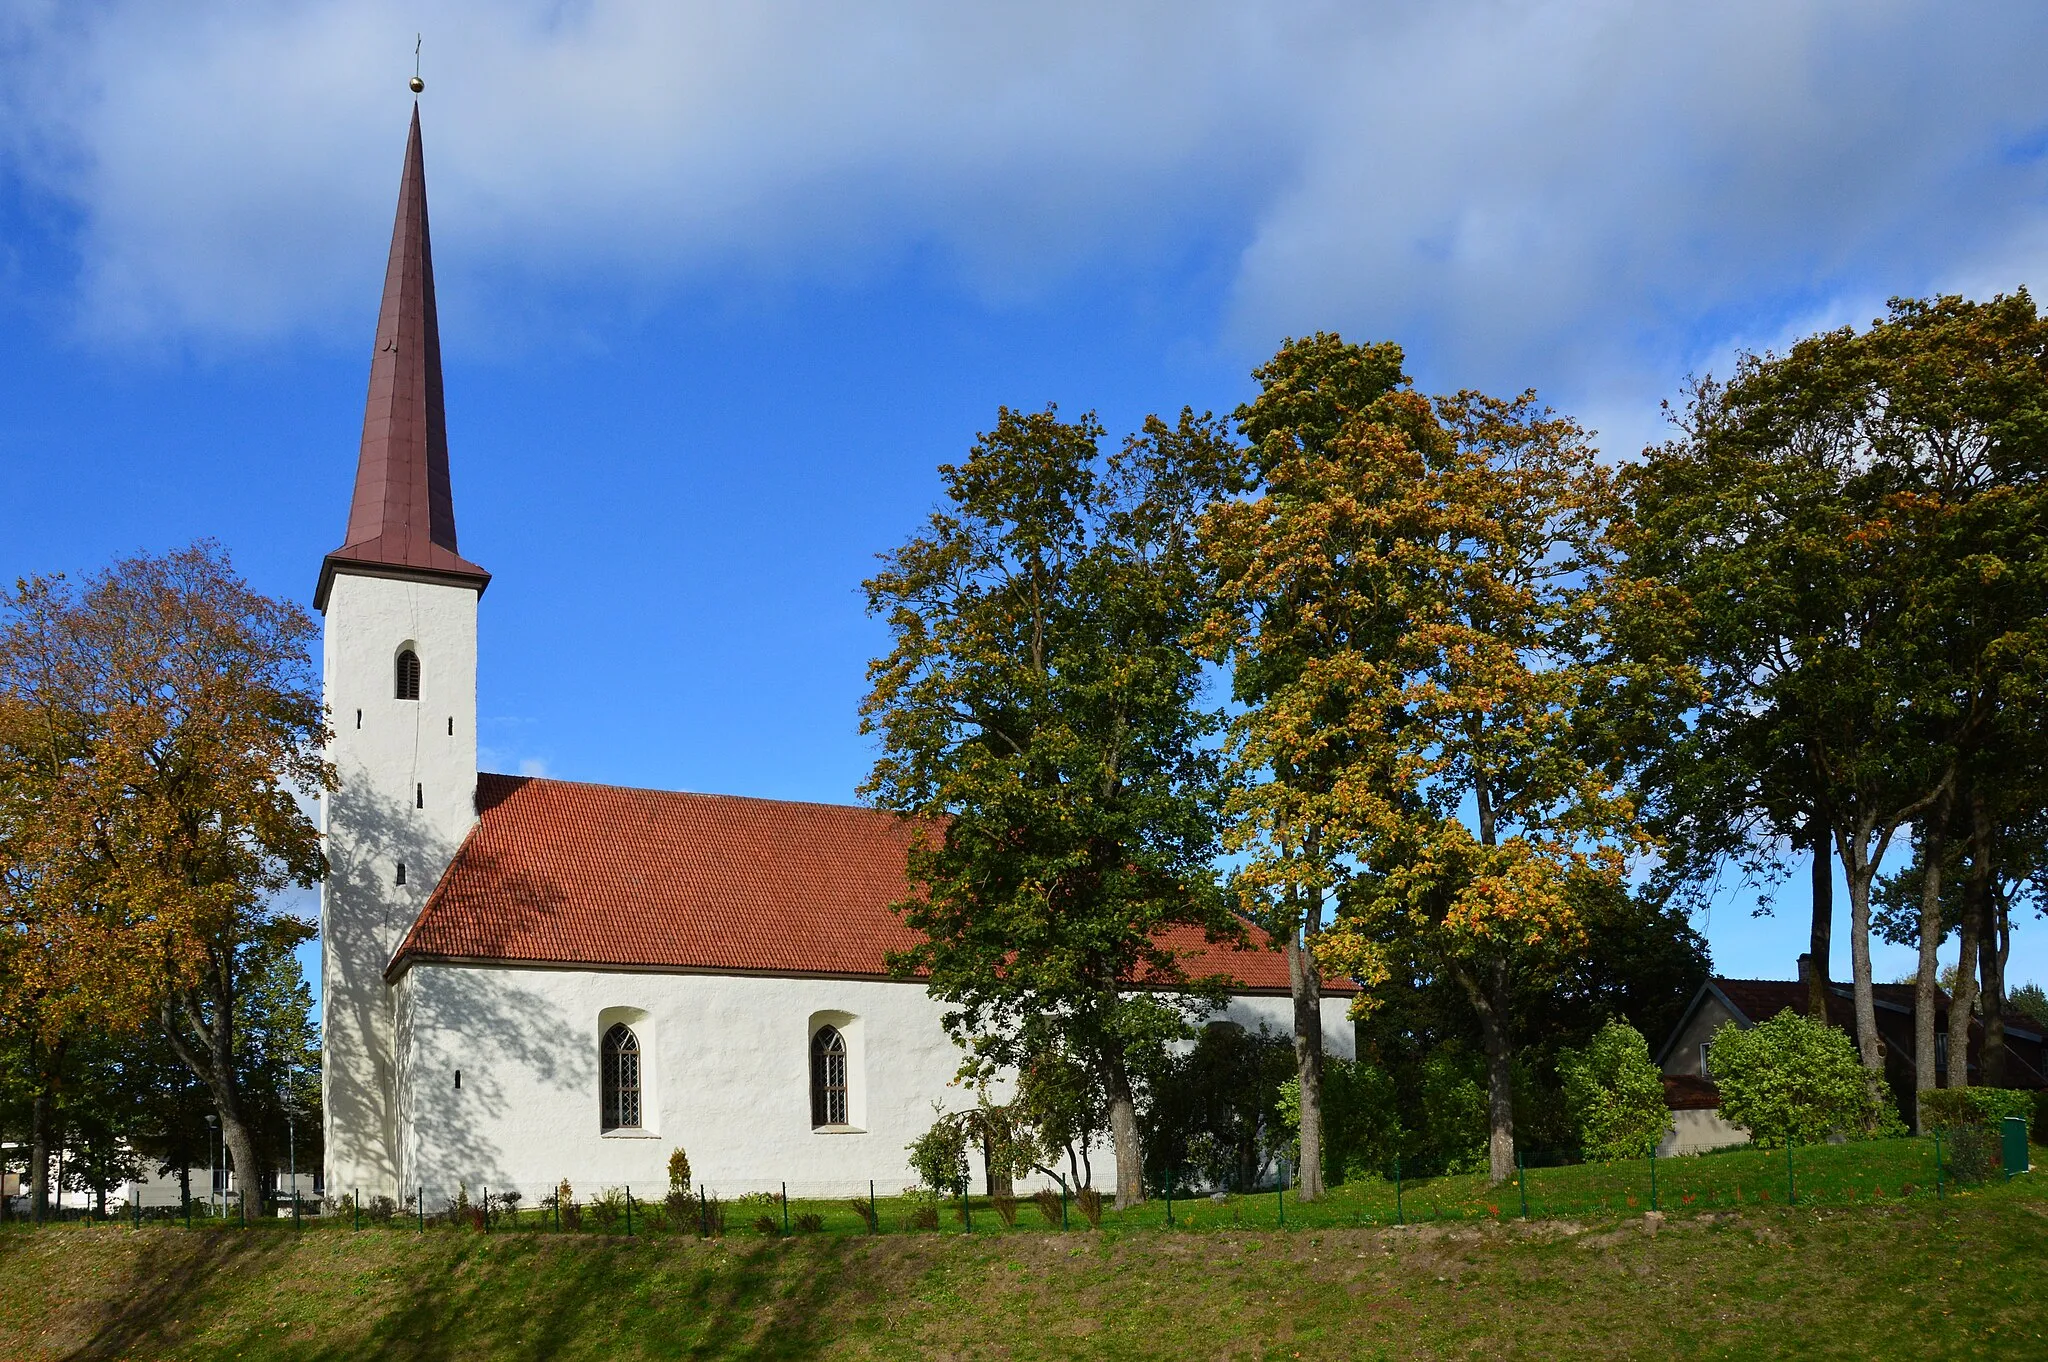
pixel 2014 1129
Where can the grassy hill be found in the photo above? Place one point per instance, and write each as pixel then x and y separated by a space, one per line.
pixel 1914 1278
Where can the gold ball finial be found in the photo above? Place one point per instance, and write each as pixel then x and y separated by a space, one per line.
pixel 417 84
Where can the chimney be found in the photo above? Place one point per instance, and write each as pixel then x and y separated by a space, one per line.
pixel 1805 965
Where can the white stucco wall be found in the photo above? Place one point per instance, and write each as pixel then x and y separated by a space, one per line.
pixel 1697 1131
pixel 407 794
pixel 728 1065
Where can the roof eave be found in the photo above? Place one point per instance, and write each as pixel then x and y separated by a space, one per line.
pixel 334 565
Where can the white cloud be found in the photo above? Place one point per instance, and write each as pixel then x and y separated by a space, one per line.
pixel 1593 197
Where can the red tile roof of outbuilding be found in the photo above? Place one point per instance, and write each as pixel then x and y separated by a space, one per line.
pixel 401 521
pixel 563 874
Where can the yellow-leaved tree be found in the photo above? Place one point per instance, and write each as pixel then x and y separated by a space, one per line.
pixel 1418 603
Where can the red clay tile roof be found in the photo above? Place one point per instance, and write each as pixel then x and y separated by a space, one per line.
pixel 402 519
pixel 564 874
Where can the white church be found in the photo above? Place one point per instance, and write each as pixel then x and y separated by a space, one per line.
pixel 526 980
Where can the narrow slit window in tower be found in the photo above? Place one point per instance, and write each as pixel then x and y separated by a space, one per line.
pixel 419 796
pixel 401 874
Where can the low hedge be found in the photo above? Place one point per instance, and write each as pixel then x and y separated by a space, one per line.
pixel 1943 1108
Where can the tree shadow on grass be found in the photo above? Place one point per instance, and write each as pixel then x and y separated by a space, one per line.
pixel 169 1281
pixel 542 1298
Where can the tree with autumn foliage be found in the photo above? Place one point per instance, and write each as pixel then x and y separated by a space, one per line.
pixel 1428 740
pixel 1271 627
pixel 159 727
pixel 1039 717
pixel 1855 530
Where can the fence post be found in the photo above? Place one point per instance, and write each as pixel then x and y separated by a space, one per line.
pixel 186 1196
pixel 1522 1181
pixel 1653 1179
pixel 966 1209
pixel 486 1210
pixel 1791 1186
pixel 420 1205
pixel 785 1208
pixel 874 1216
pixel 1937 1166
pixel 1398 1218
pixel 629 1212
pixel 1280 1200
pixel 1063 1203
pixel 1169 1197
pixel 355 1209
pixel 703 1214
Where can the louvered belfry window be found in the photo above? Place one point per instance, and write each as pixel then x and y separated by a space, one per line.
pixel 408 675
pixel 621 1079
pixel 828 1077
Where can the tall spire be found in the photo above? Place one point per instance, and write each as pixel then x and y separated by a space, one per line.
pixel 402 520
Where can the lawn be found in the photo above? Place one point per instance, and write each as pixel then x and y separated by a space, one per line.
pixel 1886 1276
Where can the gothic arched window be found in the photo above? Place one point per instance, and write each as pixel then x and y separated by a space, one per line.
pixel 620 1083
pixel 828 1077
pixel 408 687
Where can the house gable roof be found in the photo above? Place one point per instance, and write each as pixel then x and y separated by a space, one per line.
pixel 567 875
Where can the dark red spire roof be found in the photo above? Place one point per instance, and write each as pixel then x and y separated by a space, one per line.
pixel 402 521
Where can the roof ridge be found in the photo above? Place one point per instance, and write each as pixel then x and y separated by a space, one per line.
pixel 697 794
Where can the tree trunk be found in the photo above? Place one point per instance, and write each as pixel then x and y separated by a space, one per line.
pixel 47 1063
pixel 1981 905
pixel 1856 861
pixel 1305 979
pixel 39 1156
pixel 1820 940
pixel 1123 1130
pixel 1933 841
pixel 1992 952
pixel 1488 994
pixel 211 1061
pixel 1963 1005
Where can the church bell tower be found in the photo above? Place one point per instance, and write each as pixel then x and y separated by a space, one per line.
pixel 399 668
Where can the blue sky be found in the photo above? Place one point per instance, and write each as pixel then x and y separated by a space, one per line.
pixel 721 284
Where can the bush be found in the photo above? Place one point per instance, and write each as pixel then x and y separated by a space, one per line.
pixel 1615 1093
pixel 939 1156
pixel 768 1225
pixel 1359 1127
pixel 1941 1108
pixel 678 1170
pixel 1796 1078
pixel 1089 1203
pixel 810 1222
pixel 1972 1153
pixel 1048 1203
pixel 2041 1118
pixel 608 1208
pixel 381 1209
pixel 923 1218
pixel 1006 1207
pixel 681 1207
pixel 865 1211
pixel 711 1217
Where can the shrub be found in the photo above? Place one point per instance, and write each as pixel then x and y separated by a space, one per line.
pixel 1089 1202
pixel 923 1218
pixel 608 1208
pixel 810 1222
pixel 2041 1118
pixel 939 1156
pixel 865 1211
pixel 1006 1207
pixel 508 1202
pixel 681 1206
pixel 1615 1093
pixel 678 1169
pixel 711 1216
pixel 381 1209
pixel 1972 1153
pixel 1048 1203
pixel 1794 1077
pixel 767 1224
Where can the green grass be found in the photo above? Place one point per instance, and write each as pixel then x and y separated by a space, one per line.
pixel 1877 1278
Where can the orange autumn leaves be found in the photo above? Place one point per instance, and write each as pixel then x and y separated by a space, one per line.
pixel 1420 595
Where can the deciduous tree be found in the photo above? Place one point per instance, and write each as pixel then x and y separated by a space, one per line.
pixel 1040 716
